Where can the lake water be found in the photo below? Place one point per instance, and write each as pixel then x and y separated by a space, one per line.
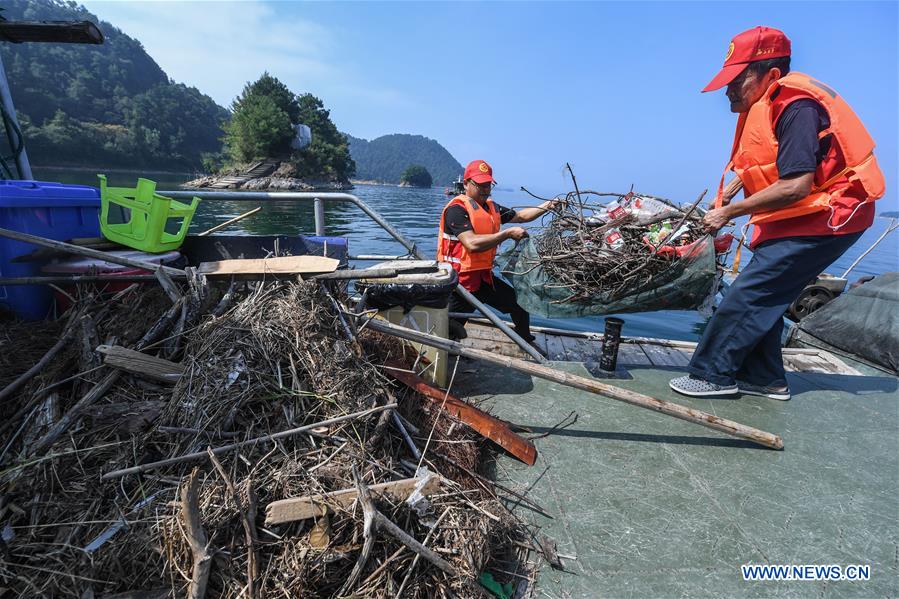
pixel 416 212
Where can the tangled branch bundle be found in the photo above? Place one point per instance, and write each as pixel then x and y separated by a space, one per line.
pixel 278 359
pixel 574 251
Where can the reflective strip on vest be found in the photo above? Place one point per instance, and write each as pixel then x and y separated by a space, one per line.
pixel 485 220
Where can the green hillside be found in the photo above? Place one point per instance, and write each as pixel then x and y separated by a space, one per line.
pixel 112 106
pixel 386 158
pixel 103 105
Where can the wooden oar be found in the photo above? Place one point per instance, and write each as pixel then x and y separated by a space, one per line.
pixel 593 386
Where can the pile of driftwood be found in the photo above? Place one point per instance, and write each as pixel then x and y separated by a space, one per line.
pixel 240 442
pixel 590 251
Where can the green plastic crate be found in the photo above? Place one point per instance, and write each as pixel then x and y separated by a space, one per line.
pixel 146 217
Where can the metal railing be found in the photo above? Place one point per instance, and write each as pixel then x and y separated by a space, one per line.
pixel 318 202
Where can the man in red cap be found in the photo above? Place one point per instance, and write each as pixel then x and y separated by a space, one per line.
pixel 470 231
pixel 807 168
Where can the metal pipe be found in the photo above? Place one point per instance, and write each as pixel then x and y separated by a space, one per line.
pixel 381 258
pixel 256 196
pixel 890 228
pixel 6 99
pixel 319 212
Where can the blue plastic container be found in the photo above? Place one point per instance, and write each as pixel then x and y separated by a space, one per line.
pixel 54 210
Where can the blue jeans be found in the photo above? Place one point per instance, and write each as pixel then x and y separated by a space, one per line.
pixel 743 338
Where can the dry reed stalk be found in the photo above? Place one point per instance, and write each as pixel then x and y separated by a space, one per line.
pixel 277 358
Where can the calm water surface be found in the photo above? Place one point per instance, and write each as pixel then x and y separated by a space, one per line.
pixel 416 212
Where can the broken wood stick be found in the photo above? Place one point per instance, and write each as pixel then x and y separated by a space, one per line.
pixel 141 364
pixel 373 520
pixel 196 538
pixel 314 506
pixel 104 385
pixel 247 518
pixel 483 423
pixel 381 522
pixel 190 457
pixel 83 251
pixel 45 359
pixel 593 386
pixel 230 221
pixel 168 285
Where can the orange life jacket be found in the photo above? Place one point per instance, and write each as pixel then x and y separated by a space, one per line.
pixel 485 220
pixel 754 153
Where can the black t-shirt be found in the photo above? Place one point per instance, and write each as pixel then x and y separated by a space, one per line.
pixel 799 150
pixel 457 221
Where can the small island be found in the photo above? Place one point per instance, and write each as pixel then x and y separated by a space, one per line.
pixel 416 176
pixel 279 141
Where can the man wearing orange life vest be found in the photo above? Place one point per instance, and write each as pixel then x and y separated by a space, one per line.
pixel 468 236
pixel 808 171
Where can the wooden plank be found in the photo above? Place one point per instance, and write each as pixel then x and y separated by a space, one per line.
pixel 839 366
pixel 497 347
pixel 665 356
pixel 142 364
pixel 569 345
pixel 809 363
pixel 479 331
pixel 312 506
pixel 554 349
pixel 632 354
pixel 590 349
pixel 286 266
pixel 573 350
pixel 644 341
pixel 486 425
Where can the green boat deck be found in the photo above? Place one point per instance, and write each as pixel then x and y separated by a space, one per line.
pixel 645 505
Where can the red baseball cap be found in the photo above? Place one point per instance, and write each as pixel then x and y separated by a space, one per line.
pixel 758 43
pixel 479 172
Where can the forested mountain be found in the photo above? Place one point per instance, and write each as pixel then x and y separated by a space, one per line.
pixel 385 158
pixel 103 105
pixel 112 106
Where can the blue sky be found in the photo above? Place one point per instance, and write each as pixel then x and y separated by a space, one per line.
pixel 611 87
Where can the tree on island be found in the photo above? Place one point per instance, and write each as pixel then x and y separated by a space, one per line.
pixel 263 124
pixel 416 176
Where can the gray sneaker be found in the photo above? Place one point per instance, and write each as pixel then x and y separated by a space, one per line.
pixel 779 393
pixel 687 385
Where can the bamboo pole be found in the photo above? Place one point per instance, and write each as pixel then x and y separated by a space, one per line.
pixel 593 386
pixel 229 222
pixel 82 251
pixel 337 275
pixel 73 279
pixel 226 448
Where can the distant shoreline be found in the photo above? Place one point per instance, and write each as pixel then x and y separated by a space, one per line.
pixel 103 169
pixel 379 183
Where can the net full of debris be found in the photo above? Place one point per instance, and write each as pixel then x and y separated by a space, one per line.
pixel 275 465
pixel 604 253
